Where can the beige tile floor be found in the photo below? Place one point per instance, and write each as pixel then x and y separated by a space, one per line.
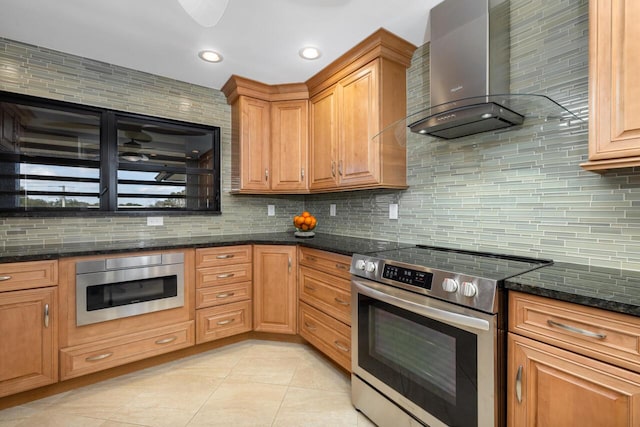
pixel 251 383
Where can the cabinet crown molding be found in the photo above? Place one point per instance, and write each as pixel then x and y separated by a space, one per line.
pixel 241 86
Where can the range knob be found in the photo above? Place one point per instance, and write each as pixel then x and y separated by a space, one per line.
pixel 360 264
pixel 469 289
pixel 370 266
pixel 449 285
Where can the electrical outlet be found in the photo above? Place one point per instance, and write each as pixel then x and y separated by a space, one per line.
pixel 393 211
pixel 332 209
pixel 155 220
pixel 271 210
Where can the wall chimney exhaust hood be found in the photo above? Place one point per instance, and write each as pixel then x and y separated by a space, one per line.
pixel 470 74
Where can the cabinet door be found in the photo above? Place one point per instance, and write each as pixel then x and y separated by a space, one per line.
pixel 560 388
pixel 614 67
pixel 289 140
pixel 274 285
pixel 28 329
pixel 254 144
pixel 359 154
pixel 324 139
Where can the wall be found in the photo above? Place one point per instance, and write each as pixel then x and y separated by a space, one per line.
pixel 519 192
pixel 42 72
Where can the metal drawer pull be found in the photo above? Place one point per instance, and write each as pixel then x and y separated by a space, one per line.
pixel 341 302
pixel 519 384
pixel 4 278
pixel 577 330
pixel 311 258
pixel 98 357
pixel 310 288
pixel 46 315
pixel 225 276
pixel 341 266
pixel 333 168
pixel 224 322
pixel 166 340
pixel 341 346
pixel 225 256
pixel 289 264
pixel 225 295
pixel 309 326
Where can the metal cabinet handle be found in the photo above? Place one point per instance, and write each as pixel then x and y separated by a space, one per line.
pixel 225 256
pixel 341 266
pixel 46 315
pixel 166 340
pixel 289 264
pixel 519 384
pixel 340 167
pixel 225 295
pixel 311 258
pixel 341 346
pixel 302 173
pixel 98 357
pixel 333 168
pixel 4 278
pixel 225 275
pixel 224 322
pixel 266 174
pixel 310 326
pixel 310 288
pixel 577 330
pixel 341 302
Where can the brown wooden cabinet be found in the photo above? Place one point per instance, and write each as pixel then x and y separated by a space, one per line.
pixel 352 101
pixel 275 297
pixel 324 290
pixel 269 137
pixel 614 98
pixel 571 365
pixel 28 326
pixel 223 292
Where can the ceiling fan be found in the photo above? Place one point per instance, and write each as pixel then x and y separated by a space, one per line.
pixel 206 13
pixel 133 147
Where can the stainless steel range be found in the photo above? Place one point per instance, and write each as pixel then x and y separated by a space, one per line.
pixel 428 336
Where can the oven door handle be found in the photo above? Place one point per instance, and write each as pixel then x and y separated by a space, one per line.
pixel 431 312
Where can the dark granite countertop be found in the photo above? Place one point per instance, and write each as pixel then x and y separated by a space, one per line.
pixel 606 288
pixel 339 244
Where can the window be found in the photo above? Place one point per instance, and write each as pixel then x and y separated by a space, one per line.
pixel 61 157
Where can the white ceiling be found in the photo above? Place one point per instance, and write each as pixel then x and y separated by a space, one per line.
pixel 259 39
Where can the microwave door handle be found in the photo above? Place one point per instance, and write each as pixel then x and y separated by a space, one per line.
pixel 431 312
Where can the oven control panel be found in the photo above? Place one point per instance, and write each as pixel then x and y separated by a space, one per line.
pixel 408 276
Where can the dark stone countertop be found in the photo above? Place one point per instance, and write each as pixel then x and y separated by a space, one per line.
pixel 600 287
pixel 339 244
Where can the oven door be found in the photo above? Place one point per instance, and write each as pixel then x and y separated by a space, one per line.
pixel 434 359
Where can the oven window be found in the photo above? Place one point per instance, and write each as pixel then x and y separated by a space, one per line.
pixel 430 363
pixel 135 291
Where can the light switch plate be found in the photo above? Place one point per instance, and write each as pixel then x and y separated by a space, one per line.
pixel 155 220
pixel 271 210
pixel 332 209
pixel 393 211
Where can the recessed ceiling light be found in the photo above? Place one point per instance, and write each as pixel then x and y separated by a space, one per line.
pixel 210 56
pixel 310 52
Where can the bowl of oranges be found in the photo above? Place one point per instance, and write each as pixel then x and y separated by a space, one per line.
pixel 305 223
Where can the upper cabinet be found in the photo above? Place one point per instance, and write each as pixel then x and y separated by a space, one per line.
pixel 614 98
pixel 269 136
pixel 324 135
pixel 352 101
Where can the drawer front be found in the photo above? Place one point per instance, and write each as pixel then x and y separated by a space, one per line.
pixel 223 321
pixel 214 276
pixel 319 290
pixel 88 358
pixel 224 255
pixel 27 275
pixel 603 335
pixel 223 294
pixel 328 262
pixel 327 334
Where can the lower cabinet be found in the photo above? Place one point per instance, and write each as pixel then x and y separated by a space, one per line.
pixel 223 321
pixel 327 334
pixel 274 289
pixel 29 334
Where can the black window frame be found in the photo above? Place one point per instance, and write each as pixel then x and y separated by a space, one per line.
pixel 109 163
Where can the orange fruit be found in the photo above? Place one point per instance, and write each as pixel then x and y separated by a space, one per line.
pixel 307 220
pixel 306 214
pixel 299 221
pixel 313 222
pixel 304 227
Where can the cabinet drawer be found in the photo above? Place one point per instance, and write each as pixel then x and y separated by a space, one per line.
pixel 603 335
pixel 326 293
pixel 328 262
pixel 223 294
pixel 223 321
pixel 224 255
pixel 27 275
pixel 213 276
pixel 330 336
pixel 88 358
